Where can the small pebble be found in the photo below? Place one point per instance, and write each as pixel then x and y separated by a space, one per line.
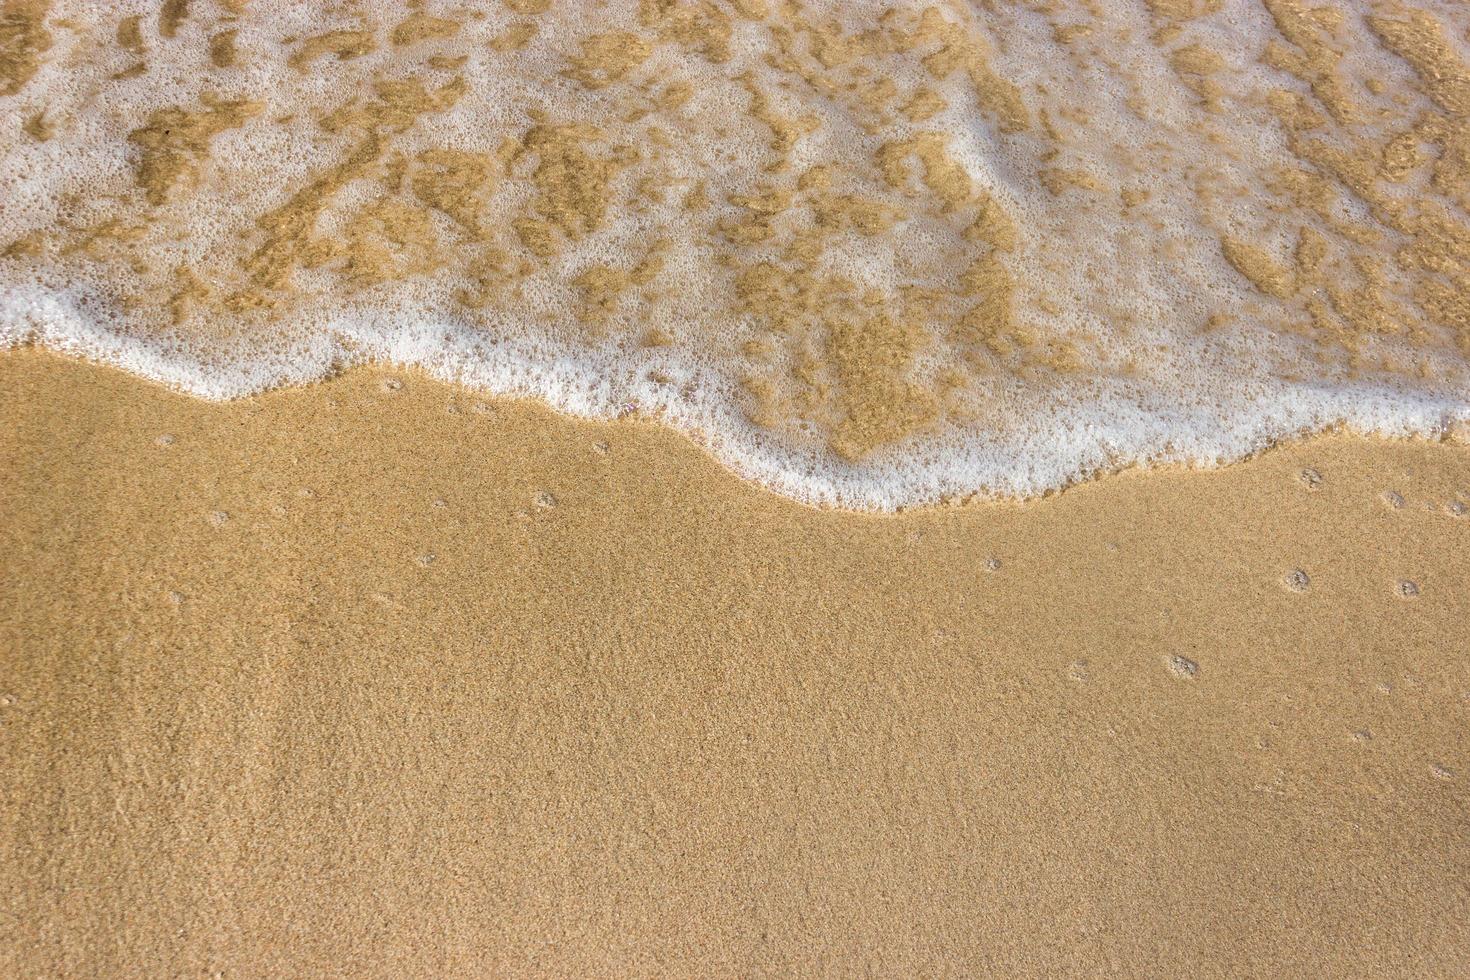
pixel 1296 580
pixel 164 440
pixel 1457 508
pixel 1407 589
pixel 1183 667
pixel 427 560
pixel 1441 772
pixel 1311 478
pixel 218 517
pixel 1363 735
pixel 545 500
pixel 1393 499
pixel 601 448
pixel 441 503
pixel 992 564
pixel 392 384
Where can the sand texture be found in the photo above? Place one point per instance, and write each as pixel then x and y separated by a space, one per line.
pixel 370 678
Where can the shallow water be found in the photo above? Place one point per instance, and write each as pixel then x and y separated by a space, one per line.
pixel 870 255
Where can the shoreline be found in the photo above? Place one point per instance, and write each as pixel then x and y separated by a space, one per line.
pixel 1452 431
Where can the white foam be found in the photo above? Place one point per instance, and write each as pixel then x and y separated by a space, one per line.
pixel 1128 289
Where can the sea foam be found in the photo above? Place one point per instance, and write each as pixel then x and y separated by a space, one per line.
pixel 868 255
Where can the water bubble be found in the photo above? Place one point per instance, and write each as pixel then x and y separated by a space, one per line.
pixel 392 384
pixel 164 440
pixel 1457 508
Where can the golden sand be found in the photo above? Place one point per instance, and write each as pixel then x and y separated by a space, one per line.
pixel 372 678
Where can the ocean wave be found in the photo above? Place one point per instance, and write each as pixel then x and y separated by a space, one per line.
pixel 869 256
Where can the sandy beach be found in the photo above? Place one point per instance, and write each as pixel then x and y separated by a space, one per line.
pixel 373 678
pixel 730 488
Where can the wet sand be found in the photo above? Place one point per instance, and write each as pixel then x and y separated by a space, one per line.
pixel 372 678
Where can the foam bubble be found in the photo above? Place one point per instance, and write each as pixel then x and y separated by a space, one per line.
pixel 868 257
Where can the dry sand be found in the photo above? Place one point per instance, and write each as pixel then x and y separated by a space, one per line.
pixel 371 679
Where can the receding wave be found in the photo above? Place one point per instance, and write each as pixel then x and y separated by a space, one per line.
pixel 869 255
